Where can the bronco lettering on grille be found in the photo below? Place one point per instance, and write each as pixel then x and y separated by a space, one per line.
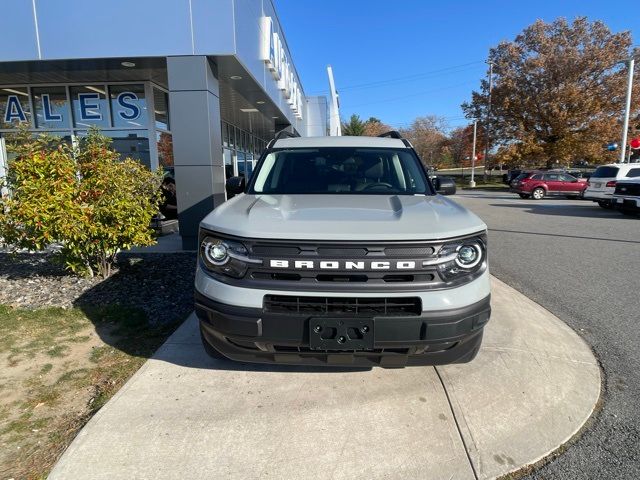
pixel 343 265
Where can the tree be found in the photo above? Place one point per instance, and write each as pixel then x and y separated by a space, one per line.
pixel 460 143
pixel 428 136
pixel 86 200
pixel 558 94
pixel 354 127
pixel 374 127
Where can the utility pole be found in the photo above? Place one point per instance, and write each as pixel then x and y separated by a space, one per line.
pixel 487 123
pixel 627 108
pixel 472 183
pixel 335 129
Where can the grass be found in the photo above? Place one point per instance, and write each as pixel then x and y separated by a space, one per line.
pixel 57 368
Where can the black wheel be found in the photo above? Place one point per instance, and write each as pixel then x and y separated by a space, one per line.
pixel 211 351
pixel 538 193
pixel 523 195
pixel 605 204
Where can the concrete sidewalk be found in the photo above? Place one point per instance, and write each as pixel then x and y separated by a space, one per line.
pixel 184 415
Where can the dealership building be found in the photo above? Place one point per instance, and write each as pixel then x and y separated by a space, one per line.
pixel 195 87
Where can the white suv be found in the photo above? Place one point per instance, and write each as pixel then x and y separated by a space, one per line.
pixel 602 183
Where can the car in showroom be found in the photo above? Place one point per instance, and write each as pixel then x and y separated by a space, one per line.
pixel 339 251
pixel 626 197
pixel 602 183
pixel 539 184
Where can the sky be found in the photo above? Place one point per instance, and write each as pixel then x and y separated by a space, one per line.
pixel 396 60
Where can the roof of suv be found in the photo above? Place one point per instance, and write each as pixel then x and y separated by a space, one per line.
pixel 346 141
pixel 620 165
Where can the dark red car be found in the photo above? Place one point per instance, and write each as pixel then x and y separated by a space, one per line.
pixel 538 185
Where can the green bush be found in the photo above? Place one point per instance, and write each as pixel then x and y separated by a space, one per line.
pixel 85 199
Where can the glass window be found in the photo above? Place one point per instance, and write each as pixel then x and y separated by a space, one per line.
pixel 128 106
pixel 225 135
pixel 129 144
pixel 551 177
pixel 90 106
pixel 333 170
pixel 537 176
pixel 567 178
pixel 633 173
pixel 14 107
pixel 232 136
pixel 161 109
pixel 605 172
pixel 165 149
pixel 52 108
pixel 241 163
pixel 228 163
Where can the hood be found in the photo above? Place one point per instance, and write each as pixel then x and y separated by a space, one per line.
pixel 343 217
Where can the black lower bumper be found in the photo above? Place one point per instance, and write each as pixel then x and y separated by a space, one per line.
pixel 432 338
pixel 626 205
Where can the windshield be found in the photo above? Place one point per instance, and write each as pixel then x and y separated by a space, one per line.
pixel 384 171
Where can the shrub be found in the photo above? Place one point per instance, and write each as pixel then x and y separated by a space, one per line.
pixel 86 200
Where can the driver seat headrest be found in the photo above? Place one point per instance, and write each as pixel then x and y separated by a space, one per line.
pixel 375 171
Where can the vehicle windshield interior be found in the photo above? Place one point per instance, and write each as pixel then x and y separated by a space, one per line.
pixel 340 170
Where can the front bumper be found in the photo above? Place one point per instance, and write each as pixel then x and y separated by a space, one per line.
pixel 431 338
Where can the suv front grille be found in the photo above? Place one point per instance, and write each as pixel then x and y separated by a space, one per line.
pixel 351 306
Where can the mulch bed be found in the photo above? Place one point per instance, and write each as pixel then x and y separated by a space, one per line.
pixel 160 284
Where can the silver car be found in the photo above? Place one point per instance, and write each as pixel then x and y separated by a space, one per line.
pixel 339 251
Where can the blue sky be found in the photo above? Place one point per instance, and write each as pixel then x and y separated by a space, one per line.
pixel 422 57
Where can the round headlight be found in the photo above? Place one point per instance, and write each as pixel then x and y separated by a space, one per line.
pixel 215 252
pixel 468 256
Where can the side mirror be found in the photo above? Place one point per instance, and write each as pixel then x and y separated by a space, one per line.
pixel 436 184
pixel 234 186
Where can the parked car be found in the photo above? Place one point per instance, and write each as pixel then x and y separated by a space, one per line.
pixel 511 175
pixel 339 252
pixel 538 185
pixel 626 197
pixel 602 182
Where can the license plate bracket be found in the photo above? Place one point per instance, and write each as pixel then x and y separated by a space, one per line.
pixel 326 333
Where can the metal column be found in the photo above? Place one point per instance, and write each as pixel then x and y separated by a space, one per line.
pixel 197 143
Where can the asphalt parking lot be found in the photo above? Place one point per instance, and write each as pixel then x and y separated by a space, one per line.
pixel 583 264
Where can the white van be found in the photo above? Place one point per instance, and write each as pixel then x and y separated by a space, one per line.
pixel 602 183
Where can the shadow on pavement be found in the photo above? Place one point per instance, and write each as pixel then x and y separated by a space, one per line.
pixel 194 356
pixel 563 236
pixel 570 210
pixel 185 348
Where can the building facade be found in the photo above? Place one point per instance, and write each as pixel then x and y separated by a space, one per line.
pixel 195 87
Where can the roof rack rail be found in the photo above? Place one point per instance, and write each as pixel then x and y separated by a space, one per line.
pixel 398 135
pixel 286 133
pixel 392 134
pixel 282 134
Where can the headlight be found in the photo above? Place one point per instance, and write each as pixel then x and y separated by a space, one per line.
pixel 462 258
pixel 225 256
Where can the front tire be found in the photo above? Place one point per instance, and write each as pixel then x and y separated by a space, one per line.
pixel 538 193
pixel 606 204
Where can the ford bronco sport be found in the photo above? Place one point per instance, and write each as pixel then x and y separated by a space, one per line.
pixel 339 251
